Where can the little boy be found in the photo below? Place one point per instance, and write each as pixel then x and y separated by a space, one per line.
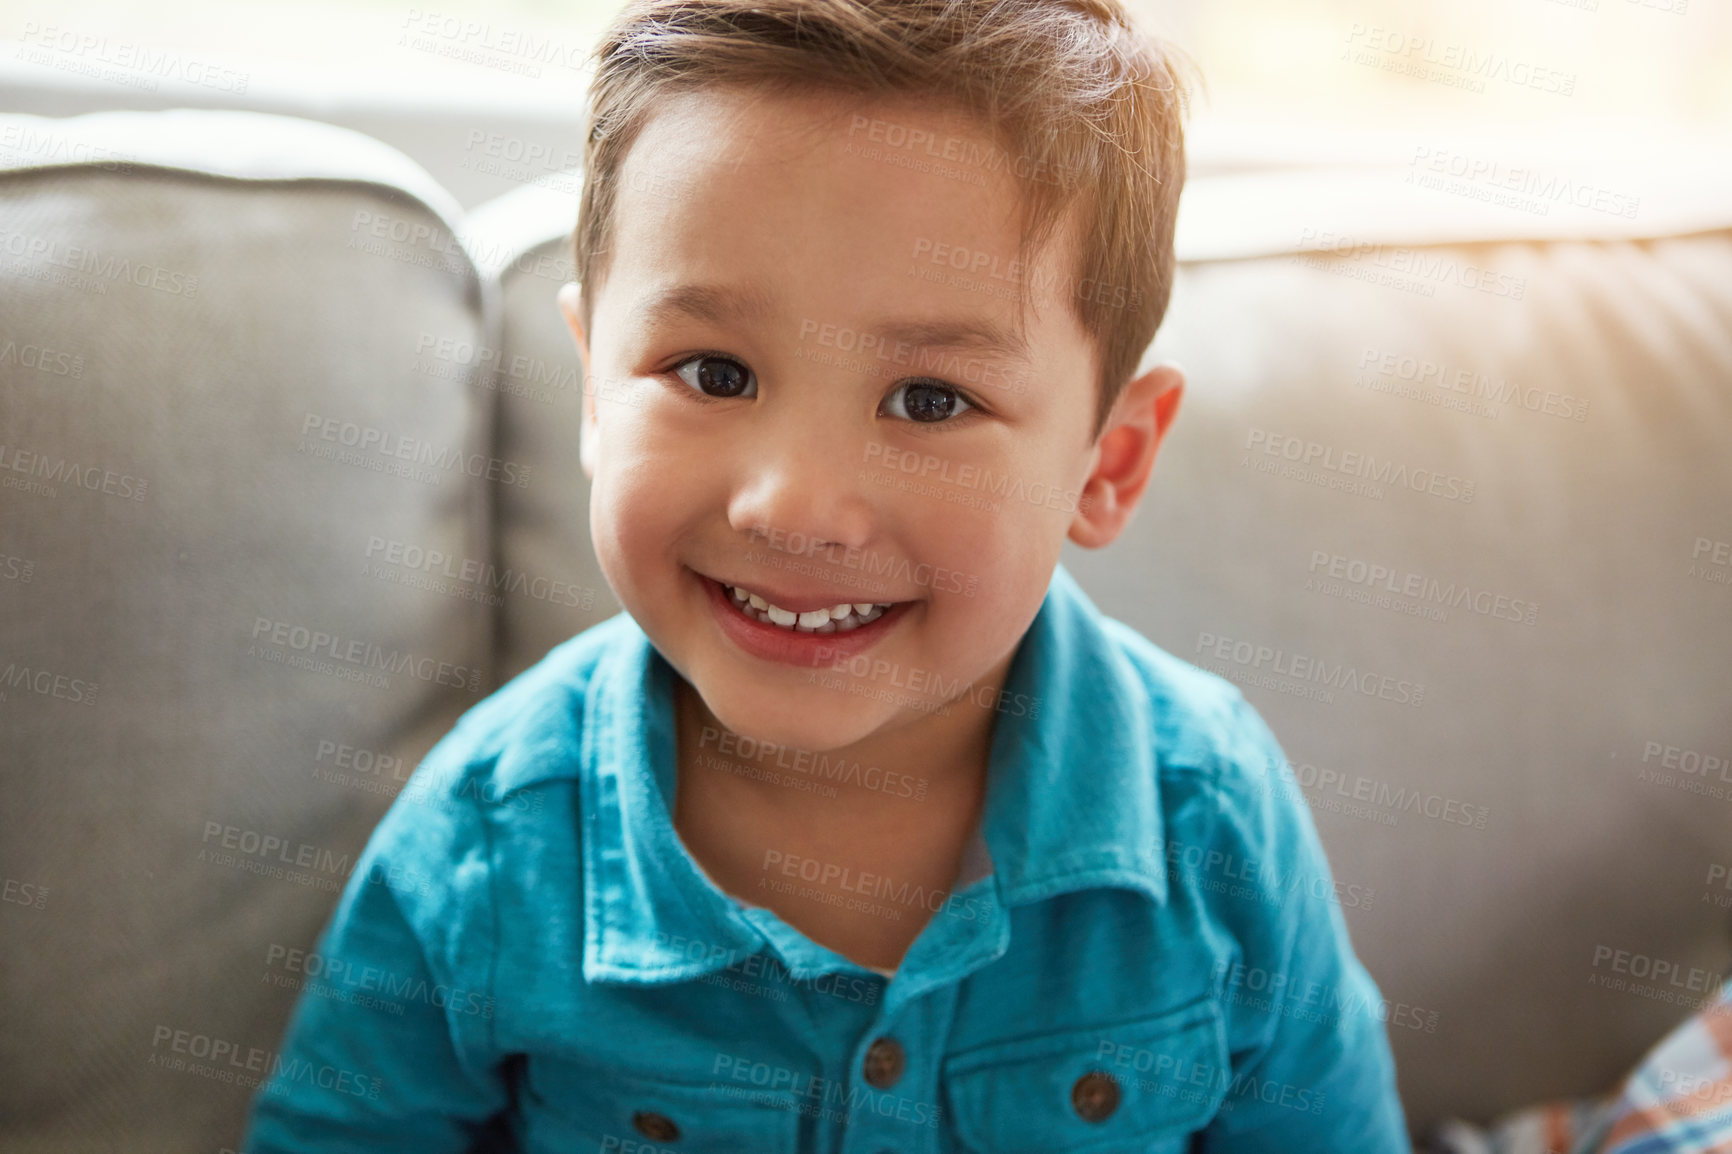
pixel 861 829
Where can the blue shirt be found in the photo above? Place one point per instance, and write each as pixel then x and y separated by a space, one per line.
pixel 526 956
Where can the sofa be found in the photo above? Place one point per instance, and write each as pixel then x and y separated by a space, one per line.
pixel 289 481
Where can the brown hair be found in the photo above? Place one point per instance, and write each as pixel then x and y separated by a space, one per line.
pixel 1086 108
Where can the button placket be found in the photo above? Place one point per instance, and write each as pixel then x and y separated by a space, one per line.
pixel 893 1061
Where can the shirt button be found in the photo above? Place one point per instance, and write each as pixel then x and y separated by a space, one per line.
pixel 654 1126
pixel 884 1062
pixel 1095 1096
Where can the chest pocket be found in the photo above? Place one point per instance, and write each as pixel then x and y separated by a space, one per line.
pixel 571 1108
pixel 1144 1085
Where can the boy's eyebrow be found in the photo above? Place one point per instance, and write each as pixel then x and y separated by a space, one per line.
pixel 724 304
pixel 960 333
pixel 717 304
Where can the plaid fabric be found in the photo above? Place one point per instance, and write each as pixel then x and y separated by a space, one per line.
pixel 1678 1101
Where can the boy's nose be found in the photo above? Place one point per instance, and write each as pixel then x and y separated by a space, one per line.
pixel 805 484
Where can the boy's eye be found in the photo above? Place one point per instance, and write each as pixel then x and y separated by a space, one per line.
pixel 717 376
pixel 926 402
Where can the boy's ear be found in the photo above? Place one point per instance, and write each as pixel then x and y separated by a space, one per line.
pixel 570 303
pixel 1124 455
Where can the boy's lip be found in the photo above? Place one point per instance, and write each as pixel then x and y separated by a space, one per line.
pixel 808 650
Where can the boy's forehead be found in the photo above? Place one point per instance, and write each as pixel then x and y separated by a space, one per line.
pixel 719 181
pixel 763 120
pixel 711 146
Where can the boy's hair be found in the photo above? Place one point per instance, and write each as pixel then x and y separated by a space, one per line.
pixel 1085 111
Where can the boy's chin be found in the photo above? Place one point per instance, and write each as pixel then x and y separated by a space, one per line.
pixel 806 722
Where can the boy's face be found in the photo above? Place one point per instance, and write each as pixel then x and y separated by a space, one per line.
pixel 753 434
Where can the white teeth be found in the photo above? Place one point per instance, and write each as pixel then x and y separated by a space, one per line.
pixel 837 619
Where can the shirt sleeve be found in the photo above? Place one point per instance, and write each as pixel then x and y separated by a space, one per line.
pixel 1311 1067
pixel 389 1046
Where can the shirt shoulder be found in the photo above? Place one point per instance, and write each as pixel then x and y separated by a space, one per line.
pixel 1238 832
pixel 437 846
pixel 460 801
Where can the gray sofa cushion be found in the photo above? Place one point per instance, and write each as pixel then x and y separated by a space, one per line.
pixel 222 646
pixel 522 240
pixel 1496 809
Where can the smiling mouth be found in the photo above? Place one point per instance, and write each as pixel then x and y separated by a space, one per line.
pixel 843 617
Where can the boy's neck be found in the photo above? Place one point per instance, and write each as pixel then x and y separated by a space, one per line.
pixel 738 823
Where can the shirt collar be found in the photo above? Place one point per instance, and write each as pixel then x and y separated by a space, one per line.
pixel 1072 801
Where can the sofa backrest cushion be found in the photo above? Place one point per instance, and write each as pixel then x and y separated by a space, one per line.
pixel 239 500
